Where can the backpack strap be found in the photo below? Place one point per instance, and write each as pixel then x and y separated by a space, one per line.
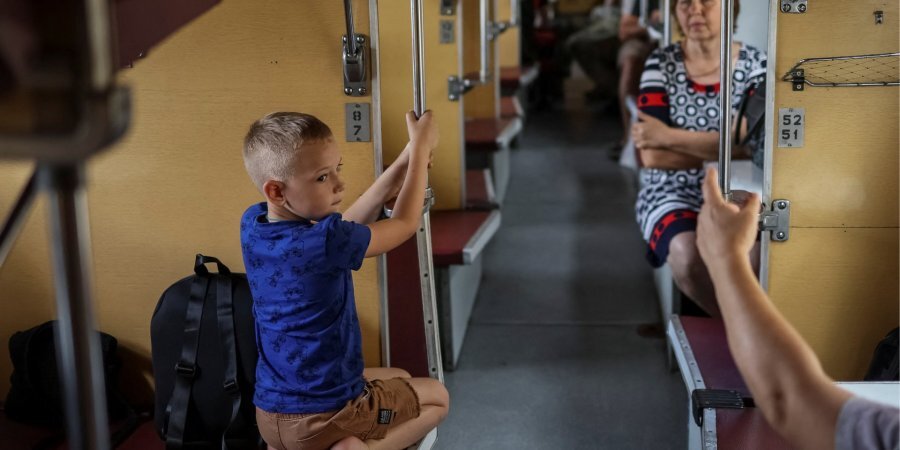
pixel 225 313
pixel 186 368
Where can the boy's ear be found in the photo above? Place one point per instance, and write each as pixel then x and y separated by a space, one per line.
pixel 274 191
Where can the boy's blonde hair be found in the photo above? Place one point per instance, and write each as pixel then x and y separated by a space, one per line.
pixel 272 145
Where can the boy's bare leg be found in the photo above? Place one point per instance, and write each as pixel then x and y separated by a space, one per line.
pixel 435 403
pixel 384 373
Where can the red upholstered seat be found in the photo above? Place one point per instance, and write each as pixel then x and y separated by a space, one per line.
pixel 514 77
pixel 736 429
pixel 510 108
pixel 490 134
pixel 480 189
pixel 707 339
pixel 451 231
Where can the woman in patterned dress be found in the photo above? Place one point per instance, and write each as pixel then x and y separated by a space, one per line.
pixel 678 131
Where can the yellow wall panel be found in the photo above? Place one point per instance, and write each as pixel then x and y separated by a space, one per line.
pixel 836 279
pixel 176 184
pixel 484 100
pixel 839 288
pixel 509 42
pixel 441 61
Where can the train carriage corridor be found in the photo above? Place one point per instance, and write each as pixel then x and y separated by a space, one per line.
pixel 565 347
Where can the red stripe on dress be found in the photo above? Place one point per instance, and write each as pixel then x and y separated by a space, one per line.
pixel 652 99
pixel 667 220
pixel 705 87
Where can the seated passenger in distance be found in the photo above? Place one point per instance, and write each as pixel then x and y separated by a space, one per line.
pixel 786 379
pixel 636 45
pixel 311 389
pixel 678 131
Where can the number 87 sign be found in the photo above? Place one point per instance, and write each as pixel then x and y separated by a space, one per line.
pixel 791 122
pixel 357 120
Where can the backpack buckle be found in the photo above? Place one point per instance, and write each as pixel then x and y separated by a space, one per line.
pixel 185 370
pixel 230 386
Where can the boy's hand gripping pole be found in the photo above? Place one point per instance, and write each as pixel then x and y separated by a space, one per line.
pixel 423 234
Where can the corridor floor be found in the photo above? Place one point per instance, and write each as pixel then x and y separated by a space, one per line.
pixel 558 354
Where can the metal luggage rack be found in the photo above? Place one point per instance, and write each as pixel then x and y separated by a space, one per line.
pixel 881 69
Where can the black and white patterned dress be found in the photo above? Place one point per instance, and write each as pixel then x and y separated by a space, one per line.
pixel 670 199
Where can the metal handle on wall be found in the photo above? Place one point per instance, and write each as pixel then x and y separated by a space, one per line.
pixel 725 100
pixel 351 32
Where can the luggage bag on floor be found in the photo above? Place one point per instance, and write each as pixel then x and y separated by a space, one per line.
pixel 204 360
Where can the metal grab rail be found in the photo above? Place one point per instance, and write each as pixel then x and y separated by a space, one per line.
pixel 351 32
pixel 103 116
pixel 484 73
pixel 423 234
pixel 725 100
pixel 667 23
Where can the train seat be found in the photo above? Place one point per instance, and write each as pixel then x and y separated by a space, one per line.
pixel 701 350
pixel 487 146
pixel 457 239
pixel 511 108
pixel 480 193
pixel 514 77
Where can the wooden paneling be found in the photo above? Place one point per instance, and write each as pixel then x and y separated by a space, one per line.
pixel 176 184
pixel 837 278
pixel 484 100
pixel 509 42
pixel 441 61
pixel 838 286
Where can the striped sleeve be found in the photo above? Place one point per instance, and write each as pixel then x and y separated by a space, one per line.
pixel 652 98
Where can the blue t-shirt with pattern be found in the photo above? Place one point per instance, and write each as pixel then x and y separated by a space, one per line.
pixel 307 331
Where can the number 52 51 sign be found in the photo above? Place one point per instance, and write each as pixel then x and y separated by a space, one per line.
pixel 791 122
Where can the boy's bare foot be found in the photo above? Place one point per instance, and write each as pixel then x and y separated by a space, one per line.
pixel 350 443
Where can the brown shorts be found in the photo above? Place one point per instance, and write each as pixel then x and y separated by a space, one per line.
pixel 383 405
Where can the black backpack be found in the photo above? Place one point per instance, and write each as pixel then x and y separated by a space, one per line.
pixel 35 396
pixel 885 365
pixel 203 346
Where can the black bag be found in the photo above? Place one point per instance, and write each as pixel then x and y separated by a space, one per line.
pixel 884 366
pixel 753 111
pixel 35 395
pixel 203 346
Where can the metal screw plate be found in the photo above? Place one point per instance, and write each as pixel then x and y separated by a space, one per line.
pixel 793 6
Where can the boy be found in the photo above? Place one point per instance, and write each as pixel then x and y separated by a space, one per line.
pixel 311 389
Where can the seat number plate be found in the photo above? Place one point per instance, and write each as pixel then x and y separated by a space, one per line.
pixel 358 122
pixel 791 122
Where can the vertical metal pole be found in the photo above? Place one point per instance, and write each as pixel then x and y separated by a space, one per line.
pixel 351 32
pixel 16 218
pixel 725 65
pixel 483 72
pixel 77 342
pixel 667 23
pixel 514 13
pixel 644 11
pixel 423 234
